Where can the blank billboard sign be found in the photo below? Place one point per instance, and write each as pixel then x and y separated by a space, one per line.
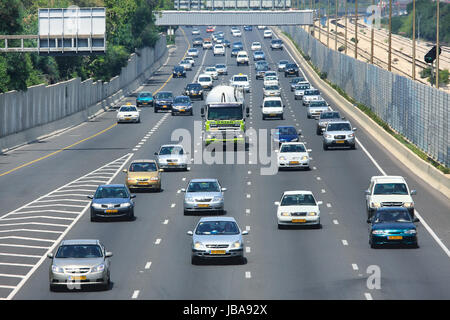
pixel 72 30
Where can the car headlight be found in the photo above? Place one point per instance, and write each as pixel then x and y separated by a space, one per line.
pixel 282 158
pixel 154 178
pixel 131 179
pixel 305 158
pixel 378 232
pixel 312 214
pixel 57 269
pixel 375 204
pixel 285 214
pixel 351 135
pixel 236 245
pixel 99 268
pixel 411 231
pixel 189 199
pixel 96 206
pixel 125 205
pixel 408 204
pixel 328 136
pixel 217 198
pixel 199 246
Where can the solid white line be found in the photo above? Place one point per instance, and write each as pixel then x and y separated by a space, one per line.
pixel 368 296
pixel 135 294
pixel 56 205
pixel 355 266
pixel 335 221
pixel 16 264
pixel 34 223
pixel 19 255
pixel 30 230
pixel 158 241
pixel 27 238
pixel 248 274
pixel 344 242
pixel 46 210
pixel 11 275
pixel 38 217
pixel 21 246
pixel 148 264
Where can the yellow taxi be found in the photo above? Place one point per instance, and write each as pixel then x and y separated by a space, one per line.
pixel 143 174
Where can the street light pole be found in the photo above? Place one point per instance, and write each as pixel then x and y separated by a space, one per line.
pixel 336 25
pixel 437 44
pixel 390 36
pixel 328 25
pixel 372 33
pixel 414 41
pixel 346 18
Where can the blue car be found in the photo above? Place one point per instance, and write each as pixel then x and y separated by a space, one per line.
pixel 144 99
pixel 112 201
pixel 285 134
pixel 238 45
pixel 258 55
pixel 248 28
pixel 392 225
pixel 178 71
pixel 234 52
pixel 182 105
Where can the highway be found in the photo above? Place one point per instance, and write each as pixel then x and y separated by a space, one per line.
pixel 152 254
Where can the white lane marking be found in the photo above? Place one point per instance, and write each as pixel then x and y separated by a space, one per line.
pixel 166 221
pixel 179 191
pixel 368 296
pixel 247 228
pixel 355 266
pixel 345 242
pixel 158 241
pixel 249 183
pixel 148 264
pixel 319 178
pixel 249 172
pixel 135 294
pixel 247 211
pixel 172 205
pixel 184 179
pixel 248 195
pixel 30 230
pixel 19 255
pixel 323 191
pixel 248 274
pixel 335 221
pixel 11 275
pixel 329 205
pixel 247 249
pixel 16 264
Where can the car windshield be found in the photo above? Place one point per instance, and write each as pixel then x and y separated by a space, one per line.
pixel 270 78
pixel 171 150
pixel 217 228
pixel 181 100
pixel 339 127
pixel 193 50
pixel 111 192
pixel 320 103
pixel 256 44
pixel 292 148
pixel 271 74
pixel 258 52
pixel 274 87
pixel 393 216
pixel 79 251
pixel 298 200
pixel 272 103
pixel 291 66
pixel 143 167
pixel 289 130
pixel 211 69
pixel 127 109
pixel 165 95
pixel 178 68
pixel 204 79
pixel 390 188
pixel 302 87
pixel 205 186
pixel 283 62
pixel 298 79
pixel 220 66
pixel 225 113
pixel 330 115
pixel 145 95
pixel 240 79
pixel 312 93
pixel 193 86
pixel 276 41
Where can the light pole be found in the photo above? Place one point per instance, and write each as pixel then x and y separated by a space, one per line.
pixel 390 35
pixel 328 25
pixel 356 29
pixel 414 41
pixel 437 44
pixel 336 26
pixel 372 33
pixel 346 18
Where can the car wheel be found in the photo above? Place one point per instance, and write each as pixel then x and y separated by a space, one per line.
pixel 194 260
pixel 318 132
pixel 280 226
pixel 192 113
pixel 155 110
pixel 172 113
pixel 373 245
pixel 353 147
pixel 263 117
pixel 308 116
pixel 282 117
pixel 325 147
pixel 52 287
pixel 131 215
pixel 93 219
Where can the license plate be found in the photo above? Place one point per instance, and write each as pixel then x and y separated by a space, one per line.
pixel 164 106
pixel 340 141
pixel 144 102
pixel 293 162
pixel 182 110
pixel 142 183
pixel 127 118
pixel 194 94
pixel 218 251
pixel 111 211
pixel 299 220
pixel 77 277
pixel 203 205
pixel 171 163
pixel 272 114
pixel 395 237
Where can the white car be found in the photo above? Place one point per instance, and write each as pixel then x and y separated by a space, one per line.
pixel 311 95
pixel 272 107
pixel 270 80
pixel 282 64
pixel 268 34
pixel 191 60
pixel 221 68
pixel 172 156
pixel 195 31
pixel 186 64
pixel 128 113
pixel 272 90
pixel 256 46
pixel 219 50
pixel 242 58
pixel 389 191
pixel 300 89
pixel 240 80
pixel 205 80
pixel 193 52
pixel 237 33
pixel 261 27
pixel 212 71
pixel 293 155
pixel 207 44
pixel 298 208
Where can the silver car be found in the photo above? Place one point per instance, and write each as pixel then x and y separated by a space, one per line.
pixel 339 134
pixel 80 262
pixel 221 68
pixel 172 156
pixel 217 237
pixel 282 64
pixel 203 195
pixel 325 118
pixel 272 91
pixel 300 88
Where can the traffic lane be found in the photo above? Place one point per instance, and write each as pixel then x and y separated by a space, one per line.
pixel 426 197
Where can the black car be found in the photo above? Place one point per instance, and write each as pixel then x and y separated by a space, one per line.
pixel 194 91
pixel 163 101
pixel 293 82
pixel 234 52
pixel 291 69
pixel 226 43
pixel 178 71
pixel 260 70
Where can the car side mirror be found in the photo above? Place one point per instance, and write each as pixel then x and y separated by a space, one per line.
pixel 277 203
pixel 133 196
pixel 50 255
pixel 413 192
pixel 125 170
pixel 343 118
pixel 183 190
pixel 354 129
pixel 416 219
pixel 190 233
pixel 367 192
pixel 161 170
pixel 108 254
pixel 224 189
pixel 244 233
pixel 202 111
pixel 247 110
pixel 319 203
pixel 90 197
pixel 156 153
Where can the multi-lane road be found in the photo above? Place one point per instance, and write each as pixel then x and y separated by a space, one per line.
pixel 44 187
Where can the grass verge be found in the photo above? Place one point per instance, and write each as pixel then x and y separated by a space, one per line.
pixel 371 114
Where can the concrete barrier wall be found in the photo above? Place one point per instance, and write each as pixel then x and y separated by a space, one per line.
pixel 25 116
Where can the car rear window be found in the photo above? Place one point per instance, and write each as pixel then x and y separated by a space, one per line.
pixel 217 228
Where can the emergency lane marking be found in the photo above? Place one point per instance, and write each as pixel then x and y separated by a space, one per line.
pixel 355 266
pixel 345 242
pixel 158 241
pixel 135 294
pixel 368 296
pixel 148 265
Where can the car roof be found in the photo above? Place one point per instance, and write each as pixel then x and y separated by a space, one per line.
pixel 204 75
pixel 272 98
pixel 171 145
pixel 297 192
pixel 217 219
pixel 293 142
pixel 79 241
pixel 111 185
pixel 387 178
pixel 282 127
pixel 142 160
pixel 204 180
